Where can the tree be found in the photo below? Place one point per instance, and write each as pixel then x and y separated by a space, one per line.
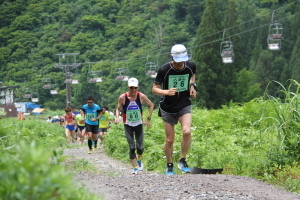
pixel 211 73
pixel 294 64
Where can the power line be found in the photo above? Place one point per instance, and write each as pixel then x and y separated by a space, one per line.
pixel 218 32
pixel 245 21
pixel 243 31
pixel 213 41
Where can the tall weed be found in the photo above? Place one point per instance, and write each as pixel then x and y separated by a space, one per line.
pixel 36 173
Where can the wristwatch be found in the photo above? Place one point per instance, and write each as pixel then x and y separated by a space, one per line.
pixel 149 118
pixel 194 84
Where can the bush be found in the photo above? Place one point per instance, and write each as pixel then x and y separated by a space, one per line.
pixel 36 173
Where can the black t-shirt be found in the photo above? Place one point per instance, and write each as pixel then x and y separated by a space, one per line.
pixel 169 77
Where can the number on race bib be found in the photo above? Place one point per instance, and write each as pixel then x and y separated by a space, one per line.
pixel 133 115
pixel 179 81
pixel 90 116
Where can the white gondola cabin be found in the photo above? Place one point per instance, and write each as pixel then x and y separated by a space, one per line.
pixel 151 68
pixel 46 83
pixel 227 52
pixel 95 76
pixel 275 36
pixel 34 97
pixel 121 74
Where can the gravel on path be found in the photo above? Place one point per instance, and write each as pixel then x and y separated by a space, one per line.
pixel 115 182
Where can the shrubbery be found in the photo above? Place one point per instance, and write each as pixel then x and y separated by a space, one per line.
pixel 31 163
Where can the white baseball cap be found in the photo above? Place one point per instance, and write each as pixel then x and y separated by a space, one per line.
pixel 133 82
pixel 179 53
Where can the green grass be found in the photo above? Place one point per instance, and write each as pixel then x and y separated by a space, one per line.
pixel 31 162
pixel 258 139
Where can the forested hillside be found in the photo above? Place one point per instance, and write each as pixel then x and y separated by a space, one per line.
pixel 117 37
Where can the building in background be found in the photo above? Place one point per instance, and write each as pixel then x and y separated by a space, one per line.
pixel 7 106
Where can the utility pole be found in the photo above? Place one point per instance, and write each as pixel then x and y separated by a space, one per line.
pixel 67 63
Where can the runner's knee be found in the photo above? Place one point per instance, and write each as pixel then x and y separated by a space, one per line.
pixel 140 151
pixel 132 154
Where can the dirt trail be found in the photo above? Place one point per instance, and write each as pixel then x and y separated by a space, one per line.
pixel 115 182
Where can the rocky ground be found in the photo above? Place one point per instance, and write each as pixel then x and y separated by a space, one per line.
pixel 115 182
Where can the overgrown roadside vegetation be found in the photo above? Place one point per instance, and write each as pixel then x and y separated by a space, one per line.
pixel 258 139
pixel 31 165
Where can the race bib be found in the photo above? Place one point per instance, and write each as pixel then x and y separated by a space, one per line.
pixel 103 117
pixel 90 116
pixel 133 115
pixel 179 81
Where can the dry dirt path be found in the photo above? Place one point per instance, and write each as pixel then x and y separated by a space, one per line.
pixel 115 182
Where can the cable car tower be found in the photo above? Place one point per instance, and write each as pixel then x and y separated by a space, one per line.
pixel 94 76
pixel 67 64
pixel 275 35
pixel 226 50
pixel 151 68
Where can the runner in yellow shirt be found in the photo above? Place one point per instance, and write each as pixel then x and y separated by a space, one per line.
pixel 104 122
pixel 80 125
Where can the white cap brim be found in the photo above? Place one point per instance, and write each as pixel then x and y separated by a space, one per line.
pixel 181 59
pixel 133 85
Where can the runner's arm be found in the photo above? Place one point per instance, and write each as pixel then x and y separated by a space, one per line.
pixel 145 99
pixel 119 107
pixel 192 88
pixel 158 91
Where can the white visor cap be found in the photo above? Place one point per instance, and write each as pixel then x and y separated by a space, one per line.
pixel 133 82
pixel 179 53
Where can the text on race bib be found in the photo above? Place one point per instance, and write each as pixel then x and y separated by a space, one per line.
pixel 133 115
pixel 90 116
pixel 180 82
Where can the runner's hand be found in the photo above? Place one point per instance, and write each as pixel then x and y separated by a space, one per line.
pixel 147 123
pixel 192 92
pixel 171 91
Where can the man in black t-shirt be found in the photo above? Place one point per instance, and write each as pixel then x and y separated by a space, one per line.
pixel 175 82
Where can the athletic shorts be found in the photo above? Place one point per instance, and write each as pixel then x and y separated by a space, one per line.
pixel 70 127
pixel 102 129
pixel 172 118
pixel 91 128
pixel 81 127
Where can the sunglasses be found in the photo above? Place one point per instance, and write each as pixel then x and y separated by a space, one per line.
pixel 90 102
pixel 133 87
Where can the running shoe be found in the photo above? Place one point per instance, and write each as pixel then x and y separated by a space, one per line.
pixel 183 166
pixel 140 165
pixel 95 148
pixel 170 169
pixel 135 170
pixel 90 151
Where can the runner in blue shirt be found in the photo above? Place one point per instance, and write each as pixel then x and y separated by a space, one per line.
pixel 92 114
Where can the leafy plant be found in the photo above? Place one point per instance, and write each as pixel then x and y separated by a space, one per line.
pixel 36 173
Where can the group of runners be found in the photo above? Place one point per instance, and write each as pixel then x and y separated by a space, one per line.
pixel 175 83
pixel 77 128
